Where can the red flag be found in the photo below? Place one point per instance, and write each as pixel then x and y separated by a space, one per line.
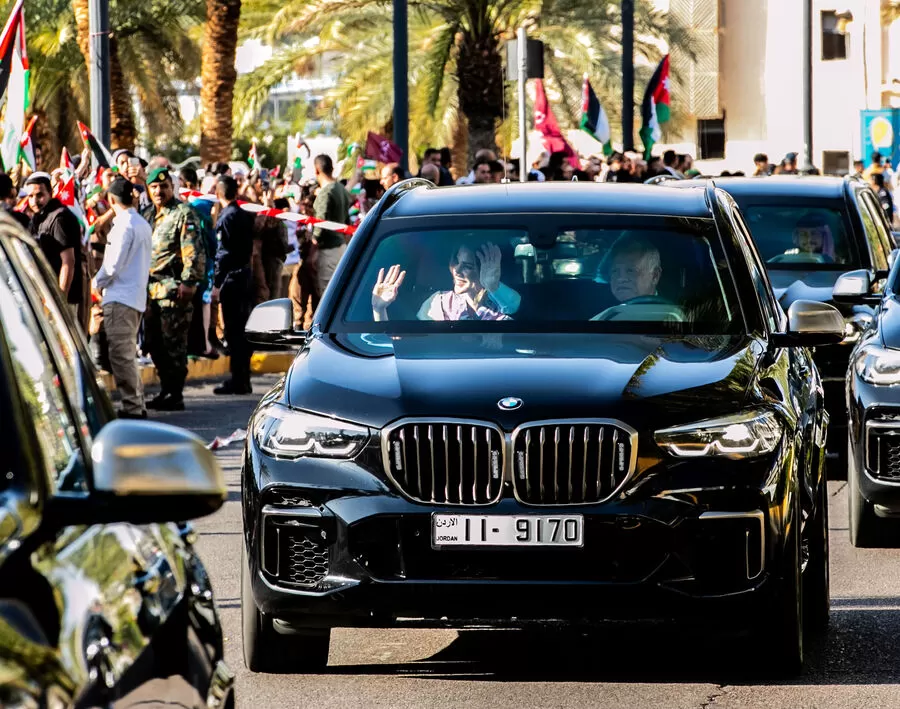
pixel 381 149
pixel 65 190
pixel 545 122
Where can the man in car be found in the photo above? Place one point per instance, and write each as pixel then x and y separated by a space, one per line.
pixel 477 291
pixel 813 242
pixel 633 268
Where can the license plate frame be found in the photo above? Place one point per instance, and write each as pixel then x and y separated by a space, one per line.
pixel 539 531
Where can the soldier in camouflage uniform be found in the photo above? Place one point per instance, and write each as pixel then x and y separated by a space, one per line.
pixel 177 267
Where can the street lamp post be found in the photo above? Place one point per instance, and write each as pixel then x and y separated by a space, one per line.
pixel 401 88
pixel 628 75
pixel 99 70
pixel 806 89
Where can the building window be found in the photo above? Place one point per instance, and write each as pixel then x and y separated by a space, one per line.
pixel 835 162
pixel 835 39
pixel 711 138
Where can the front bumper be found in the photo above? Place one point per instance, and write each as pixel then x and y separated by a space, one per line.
pixel 364 556
pixel 874 419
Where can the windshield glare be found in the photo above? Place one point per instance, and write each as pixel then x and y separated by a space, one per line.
pixel 800 237
pixel 582 278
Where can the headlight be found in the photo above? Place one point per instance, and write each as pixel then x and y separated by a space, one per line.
pixel 292 434
pixel 744 435
pixel 855 325
pixel 878 365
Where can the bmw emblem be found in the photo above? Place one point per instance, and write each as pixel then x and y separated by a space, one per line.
pixel 510 403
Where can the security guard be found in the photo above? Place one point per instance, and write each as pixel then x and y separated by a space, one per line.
pixel 177 266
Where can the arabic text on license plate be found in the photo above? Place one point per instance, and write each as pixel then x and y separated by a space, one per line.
pixel 507 530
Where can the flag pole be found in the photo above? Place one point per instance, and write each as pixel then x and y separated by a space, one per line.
pixel 522 47
pixel 628 75
pixel 99 69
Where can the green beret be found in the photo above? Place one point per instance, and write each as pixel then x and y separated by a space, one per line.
pixel 159 174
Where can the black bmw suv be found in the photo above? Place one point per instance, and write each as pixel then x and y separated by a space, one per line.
pixel 523 403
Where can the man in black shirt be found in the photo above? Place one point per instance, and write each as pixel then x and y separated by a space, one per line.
pixel 58 232
pixel 233 284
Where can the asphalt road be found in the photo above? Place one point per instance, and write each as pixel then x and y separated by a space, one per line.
pixel 856 665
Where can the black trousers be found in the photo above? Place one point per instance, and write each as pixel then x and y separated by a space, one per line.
pixel 235 297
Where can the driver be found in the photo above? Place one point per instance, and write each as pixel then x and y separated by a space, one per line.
pixel 811 236
pixel 634 270
pixel 477 292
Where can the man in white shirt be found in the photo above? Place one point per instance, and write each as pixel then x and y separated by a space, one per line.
pixel 122 280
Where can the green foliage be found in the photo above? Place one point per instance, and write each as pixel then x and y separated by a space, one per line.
pixel 580 37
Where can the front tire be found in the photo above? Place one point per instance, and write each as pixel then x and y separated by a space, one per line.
pixel 865 527
pixel 267 650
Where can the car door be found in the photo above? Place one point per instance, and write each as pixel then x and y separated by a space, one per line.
pixel 805 383
pixel 109 591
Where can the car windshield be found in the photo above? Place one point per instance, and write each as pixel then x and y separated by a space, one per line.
pixel 669 277
pixel 791 236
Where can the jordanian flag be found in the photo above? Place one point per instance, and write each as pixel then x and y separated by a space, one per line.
pixel 655 108
pixel 594 120
pixel 100 155
pixel 252 158
pixel 14 85
pixel 298 163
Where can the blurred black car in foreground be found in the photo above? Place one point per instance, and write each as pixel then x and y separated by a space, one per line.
pixel 873 402
pixel 101 601
pixel 810 231
pixel 540 403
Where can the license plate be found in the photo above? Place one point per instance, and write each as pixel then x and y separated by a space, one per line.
pixel 507 531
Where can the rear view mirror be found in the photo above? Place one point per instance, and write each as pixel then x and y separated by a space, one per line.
pixel 272 323
pixel 148 472
pixel 852 287
pixel 812 323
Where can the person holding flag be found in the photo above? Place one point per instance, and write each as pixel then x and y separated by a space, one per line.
pixel 655 107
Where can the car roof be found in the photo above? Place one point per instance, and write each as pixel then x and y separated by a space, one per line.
pixel 550 197
pixel 774 186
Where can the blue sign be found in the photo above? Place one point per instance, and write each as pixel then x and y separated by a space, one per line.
pixel 881 132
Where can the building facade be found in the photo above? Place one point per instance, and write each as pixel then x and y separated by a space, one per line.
pixel 742 82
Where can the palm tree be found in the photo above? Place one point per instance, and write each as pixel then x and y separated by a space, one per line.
pixel 153 47
pixel 456 61
pixel 218 78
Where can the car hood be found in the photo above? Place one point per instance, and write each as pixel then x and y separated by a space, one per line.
pixel 791 285
pixel 375 379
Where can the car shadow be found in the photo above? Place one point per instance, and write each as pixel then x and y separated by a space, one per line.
pixel 860 648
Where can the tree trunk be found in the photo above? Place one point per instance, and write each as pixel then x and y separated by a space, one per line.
pixel 479 69
pixel 83 29
pixel 217 77
pixel 123 131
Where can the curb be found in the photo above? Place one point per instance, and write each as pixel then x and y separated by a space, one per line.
pixel 201 369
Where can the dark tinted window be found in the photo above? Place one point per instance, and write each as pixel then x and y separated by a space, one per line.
pixel 792 236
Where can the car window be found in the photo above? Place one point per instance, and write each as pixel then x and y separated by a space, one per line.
pixel 874 230
pixel 770 307
pixel 628 278
pixel 792 236
pixel 41 385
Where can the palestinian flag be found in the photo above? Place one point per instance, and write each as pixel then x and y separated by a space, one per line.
pixel 253 158
pixel 594 120
pixel 14 85
pixel 655 108
pixel 99 152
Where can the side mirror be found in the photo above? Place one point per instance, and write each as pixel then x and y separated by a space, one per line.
pixel 812 323
pixel 272 323
pixel 852 287
pixel 148 472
